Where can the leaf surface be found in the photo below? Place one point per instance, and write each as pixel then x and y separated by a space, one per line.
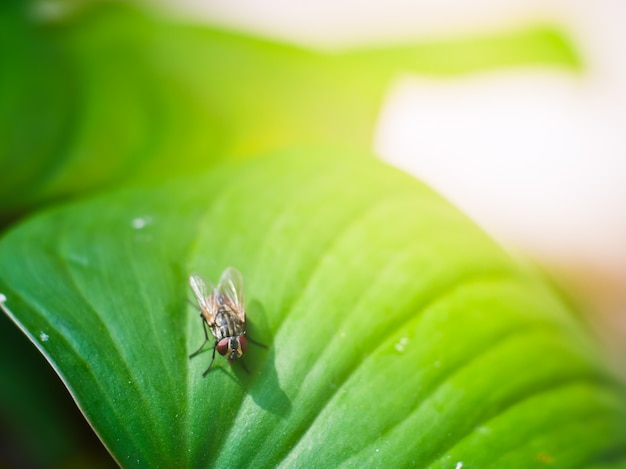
pixel 398 332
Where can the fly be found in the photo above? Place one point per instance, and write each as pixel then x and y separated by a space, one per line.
pixel 222 310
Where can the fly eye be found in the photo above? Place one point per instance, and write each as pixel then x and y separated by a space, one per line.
pixel 222 346
pixel 244 344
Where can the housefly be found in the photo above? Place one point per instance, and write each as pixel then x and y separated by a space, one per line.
pixel 222 310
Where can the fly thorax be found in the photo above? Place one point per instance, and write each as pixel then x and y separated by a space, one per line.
pixel 224 322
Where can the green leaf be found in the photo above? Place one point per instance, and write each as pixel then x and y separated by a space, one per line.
pixel 112 94
pixel 399 334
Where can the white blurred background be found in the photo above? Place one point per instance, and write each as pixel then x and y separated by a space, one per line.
pixel 535 155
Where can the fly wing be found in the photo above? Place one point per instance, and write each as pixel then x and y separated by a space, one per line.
pixel 203 294
pixel 230 291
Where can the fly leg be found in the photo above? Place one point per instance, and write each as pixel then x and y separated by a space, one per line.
pixel 212 359
pixel 206 339
pixel 259 344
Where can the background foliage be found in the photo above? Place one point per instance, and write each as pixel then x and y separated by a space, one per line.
pixel 398 332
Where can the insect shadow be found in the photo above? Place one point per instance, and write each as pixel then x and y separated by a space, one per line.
pixel 263 383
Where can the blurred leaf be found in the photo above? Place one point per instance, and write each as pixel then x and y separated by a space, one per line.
pixel 399 333
pixel 110 94
pixel 543 45
pixel 40 425
pixel 36 100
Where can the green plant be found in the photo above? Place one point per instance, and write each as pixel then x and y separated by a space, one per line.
pixel 398 332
